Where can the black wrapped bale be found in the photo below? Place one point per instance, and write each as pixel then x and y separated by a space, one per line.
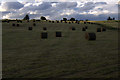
pixel 34 24
pixel 85 22
pixel 18 25
pixel 98 29
pixel 44 35
pixel 90 36
pixel 73 28
pixel 86 27
pixel 44 28
pixel 30 28
pixel 33 20
pixel 20 21
pixel 83 29
pixel 57 21
pixel 13 24
pixel 58 34
pixel 52 21
pixel 65 21
pixel 69 22
pixel 103 29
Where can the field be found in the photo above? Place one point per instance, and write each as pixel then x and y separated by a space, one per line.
pixel 26 55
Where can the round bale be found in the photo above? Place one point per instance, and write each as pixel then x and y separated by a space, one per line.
pixel 34 24
pixel 83 29
pixel 86 27
pixel 30 28
pixel 18 25
pixel 73 28
pixel 44 28
pixel 13 24
pixel 90 36
pixel 98 29
pixel 44 35
pixel 103 29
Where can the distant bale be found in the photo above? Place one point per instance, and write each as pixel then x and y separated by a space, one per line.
pixel 73 28
pixel 99 30
pixel 69 22
pixel 34 24
pixel 30 28
pixel 86 27
pixel 90 36
pixel 52 21
pixel 57 21
pixel 58 34
pixel 20 21
pixel 103 29
pixel 44 28
pixel 34 20
pixel 85 22
pixel 18 25
pixel 83 29
pixel 13 24
pixel 44 35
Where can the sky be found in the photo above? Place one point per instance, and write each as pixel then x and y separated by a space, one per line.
pixel 59 9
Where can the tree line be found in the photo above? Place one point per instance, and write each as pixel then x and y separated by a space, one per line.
pixel 64 19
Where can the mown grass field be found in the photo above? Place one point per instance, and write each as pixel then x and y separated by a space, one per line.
pixel 26 55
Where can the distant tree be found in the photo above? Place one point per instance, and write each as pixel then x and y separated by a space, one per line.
pixel 64 19
pixel 86 20
pixel 26 17
pixel 113 18
pixel 43 18
pixel 109 18
pixel 72 19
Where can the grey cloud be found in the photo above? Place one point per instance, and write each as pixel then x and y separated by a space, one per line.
pixel 12 5
pixel 100 3
pixel 66 5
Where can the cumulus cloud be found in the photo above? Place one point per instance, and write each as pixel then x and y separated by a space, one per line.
pixel 11 5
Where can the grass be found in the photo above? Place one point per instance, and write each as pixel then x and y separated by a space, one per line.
pixel 26 55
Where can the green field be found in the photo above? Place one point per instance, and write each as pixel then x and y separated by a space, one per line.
pixel 26 55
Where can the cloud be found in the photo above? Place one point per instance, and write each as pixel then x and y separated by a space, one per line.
pixel 11 5
pixel 92 10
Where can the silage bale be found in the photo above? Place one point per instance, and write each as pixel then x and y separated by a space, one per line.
pixel 58 34
pixel 85 22
pixel 44 35
pixel 86 27
pixel 44 28
pixel 103 29
pixel 13 24
pixel 83 29
pixel 90 36
pixel 52 21
pixel 30 28
pixel 18 25
pixel 99 30
pixel 34 24
pixel 73 28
